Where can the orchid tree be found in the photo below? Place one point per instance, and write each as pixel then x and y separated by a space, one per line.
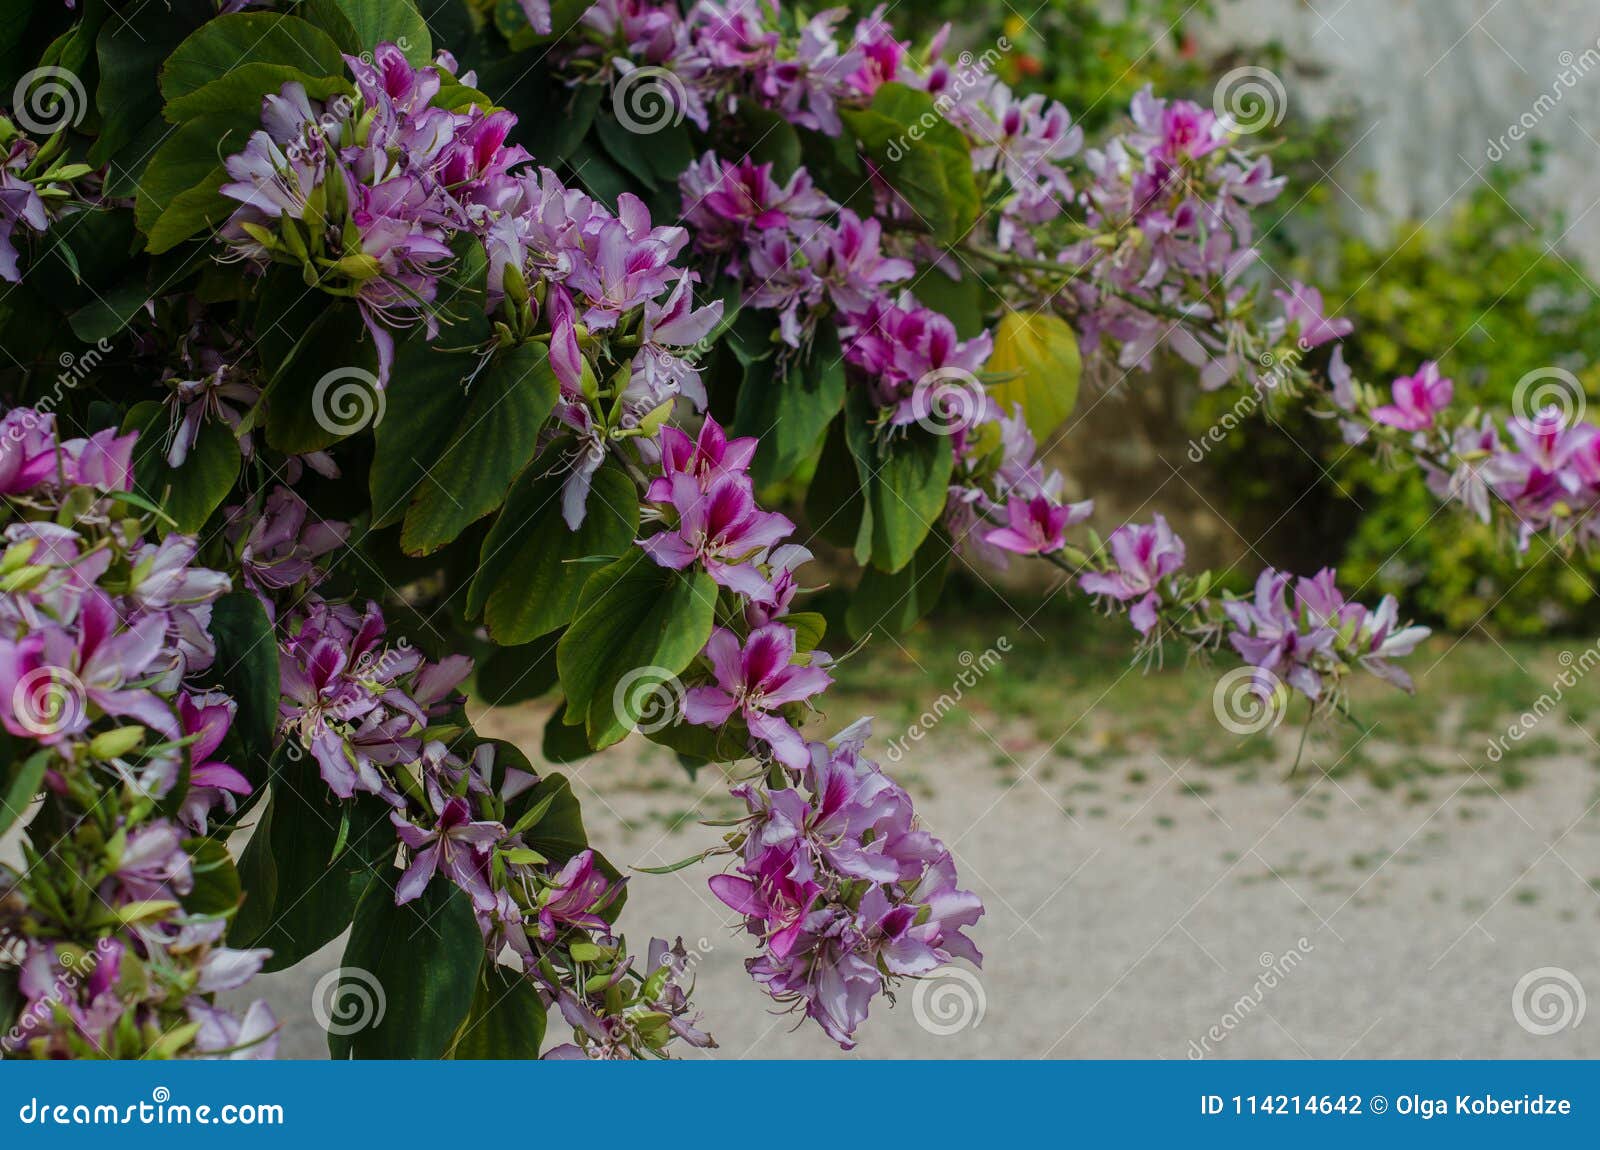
pixel 358 354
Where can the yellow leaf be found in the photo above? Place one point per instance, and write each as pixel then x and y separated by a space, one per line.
pixel 1037 362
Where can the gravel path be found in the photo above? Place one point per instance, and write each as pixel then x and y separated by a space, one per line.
pixel 1184 914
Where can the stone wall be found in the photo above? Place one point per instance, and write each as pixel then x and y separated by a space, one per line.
pixel 1438 89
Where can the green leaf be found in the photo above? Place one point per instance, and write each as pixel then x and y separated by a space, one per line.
pixel 634 614
pixel 129 55
pixel 788 408
pixel 106 316
pixel 532 569
pixel 330 393
pixel 241 91
pixel 22 780
pixel 420 960
pixel 495 434
pixel 1037 357
pixel 361 25
pixel 892 603
pixel 246 666
pixel 552 119
pixel 506 1020
pixel 10 998
pixel 904 482
pixel 809 628
pixel 564 742
pixel 516 674
pixel 922 155
pixel 833 501
pixel 178 190
pixel 654 158
pixel 232 41
pixel 216 880
pixel 771 139
pixel 300 893
pixel 728 743
pixel 961 301
pixel 189 494
pixel 425 391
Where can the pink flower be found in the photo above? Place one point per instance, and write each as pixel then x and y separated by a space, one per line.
pixel 1302 307
pixel 710 455
pixel 1143 556
pixel 1036 526
pixel 1417 399
pixel 458 845
pixel 721 528
pixel 755 680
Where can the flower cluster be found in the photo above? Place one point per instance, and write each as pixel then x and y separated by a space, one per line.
pixel 844 890
pixel 105 692
pixel 38 186
pixel 399 179
pixel 383 724
pixel 1541 475
pixel 720 54
pixel 1309 643
pixel 611 296
pixel 846 893
pixel 365 193
pixel 1160 231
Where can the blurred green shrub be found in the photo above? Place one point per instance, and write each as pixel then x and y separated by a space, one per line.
pixel 1484 290
pixel 1089 54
